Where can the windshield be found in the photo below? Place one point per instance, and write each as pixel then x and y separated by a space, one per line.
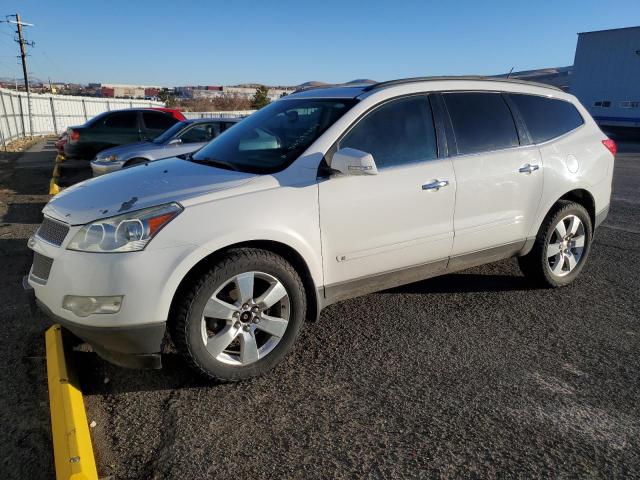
pixel 273 137
pixel 170 133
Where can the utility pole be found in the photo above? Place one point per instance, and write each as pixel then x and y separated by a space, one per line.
pixel 23 56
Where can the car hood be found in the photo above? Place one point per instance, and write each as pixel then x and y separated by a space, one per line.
pixel 170 180
pixel 129 148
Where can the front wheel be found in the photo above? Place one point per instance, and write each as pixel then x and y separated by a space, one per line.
pixel 561 247
pixel 240 318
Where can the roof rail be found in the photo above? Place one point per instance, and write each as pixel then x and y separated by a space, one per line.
pixel 403 81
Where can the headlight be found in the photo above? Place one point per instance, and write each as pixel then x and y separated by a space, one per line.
pixel 109 158
pixel 125 233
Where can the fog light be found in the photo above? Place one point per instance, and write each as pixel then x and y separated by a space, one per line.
pixel 85 306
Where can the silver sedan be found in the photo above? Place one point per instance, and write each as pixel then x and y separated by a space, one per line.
pixel 183 137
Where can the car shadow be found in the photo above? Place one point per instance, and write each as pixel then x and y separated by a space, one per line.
pixel 466 283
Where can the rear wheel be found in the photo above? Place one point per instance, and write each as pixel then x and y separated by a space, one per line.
pixel 240 318
pixel 561 247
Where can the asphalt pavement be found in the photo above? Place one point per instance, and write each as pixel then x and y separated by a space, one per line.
pixel 474 374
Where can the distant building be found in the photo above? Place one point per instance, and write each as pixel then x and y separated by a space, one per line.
pixel 128 91
pixel 606 75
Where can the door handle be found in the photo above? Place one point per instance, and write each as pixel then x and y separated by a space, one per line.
pixel 435 185
pixel 528 168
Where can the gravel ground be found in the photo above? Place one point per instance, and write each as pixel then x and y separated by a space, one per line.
pixel 475 374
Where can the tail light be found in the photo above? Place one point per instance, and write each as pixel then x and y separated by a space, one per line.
pixel 74 136
pixel 611 146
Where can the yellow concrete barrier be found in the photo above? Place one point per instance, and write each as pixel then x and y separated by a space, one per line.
pixel 72 449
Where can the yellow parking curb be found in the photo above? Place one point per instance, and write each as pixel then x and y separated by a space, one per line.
pixel 72 449
pixel 54 188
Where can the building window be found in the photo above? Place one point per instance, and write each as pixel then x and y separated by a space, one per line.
pixel 629 104
pixel 602 103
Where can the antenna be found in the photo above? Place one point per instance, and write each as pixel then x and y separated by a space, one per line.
pixel 509 74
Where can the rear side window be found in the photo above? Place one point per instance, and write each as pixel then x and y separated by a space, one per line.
pixel 121 120
pixel 397 133
pixel 157 120
pixel 481 122
pixel 546 118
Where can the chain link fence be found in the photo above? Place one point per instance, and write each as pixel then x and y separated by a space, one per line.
pixel 52 114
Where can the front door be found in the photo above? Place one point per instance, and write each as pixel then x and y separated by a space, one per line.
pixel 397 226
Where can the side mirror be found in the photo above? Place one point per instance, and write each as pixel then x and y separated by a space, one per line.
pixel 175 141
pixel 349 161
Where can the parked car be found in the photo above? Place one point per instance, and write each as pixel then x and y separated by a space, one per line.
pixel 118 127
pixel 320 196
pixel 183 137
pixel 60 143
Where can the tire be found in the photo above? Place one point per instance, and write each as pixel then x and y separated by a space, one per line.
pixel 274 327
pixel 548 268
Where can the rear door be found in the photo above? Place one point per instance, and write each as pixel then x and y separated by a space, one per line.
pixel 393 227
pixel 117 128
pixel 154 123
pixel 498 174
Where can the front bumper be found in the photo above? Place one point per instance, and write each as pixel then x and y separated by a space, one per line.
pixel 100 167
pixel 135 346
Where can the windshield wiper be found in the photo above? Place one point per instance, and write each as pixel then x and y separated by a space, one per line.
pixel 212 162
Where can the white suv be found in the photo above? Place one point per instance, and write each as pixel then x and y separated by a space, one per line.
pixel 323 195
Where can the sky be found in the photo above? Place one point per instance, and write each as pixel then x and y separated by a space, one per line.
pixel 172 43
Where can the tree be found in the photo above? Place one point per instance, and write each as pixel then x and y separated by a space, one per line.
pixel 260 99
pixel 167 97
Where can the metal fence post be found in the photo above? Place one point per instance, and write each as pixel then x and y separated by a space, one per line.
pixel 84 110
pixel 53 115
pixel 24 130
pixel 6 119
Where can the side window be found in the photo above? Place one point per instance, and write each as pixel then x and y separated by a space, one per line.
pixel 121 120
pixel 157 120
pixel 481 121
pixel 397 133
pixel 546 118
pixel 202 132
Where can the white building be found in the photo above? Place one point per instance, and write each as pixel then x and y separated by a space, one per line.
pixel 606 75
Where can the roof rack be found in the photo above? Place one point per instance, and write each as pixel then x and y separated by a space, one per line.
pixel 331 85
pixel 403 81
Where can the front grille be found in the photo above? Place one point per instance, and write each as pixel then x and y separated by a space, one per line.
pixel 52 232
pixel 41 266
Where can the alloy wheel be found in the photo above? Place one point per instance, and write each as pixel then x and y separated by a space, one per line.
pixel 566 245
pixel 245 318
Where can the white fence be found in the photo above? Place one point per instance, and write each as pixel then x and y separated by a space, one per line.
pixel 231 114
pixel 52 114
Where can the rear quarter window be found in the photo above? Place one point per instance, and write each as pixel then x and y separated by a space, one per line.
pixel 546 118
pixel 481 122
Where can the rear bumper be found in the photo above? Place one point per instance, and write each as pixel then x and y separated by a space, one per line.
pixel 134 346
pixel 79 150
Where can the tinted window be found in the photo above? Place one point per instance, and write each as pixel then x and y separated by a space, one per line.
pixel 396 133
pixel 273 137
pixel 157 120
pixel 546 118
pixel 202 132
pixel 481 122
pixel 121 120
